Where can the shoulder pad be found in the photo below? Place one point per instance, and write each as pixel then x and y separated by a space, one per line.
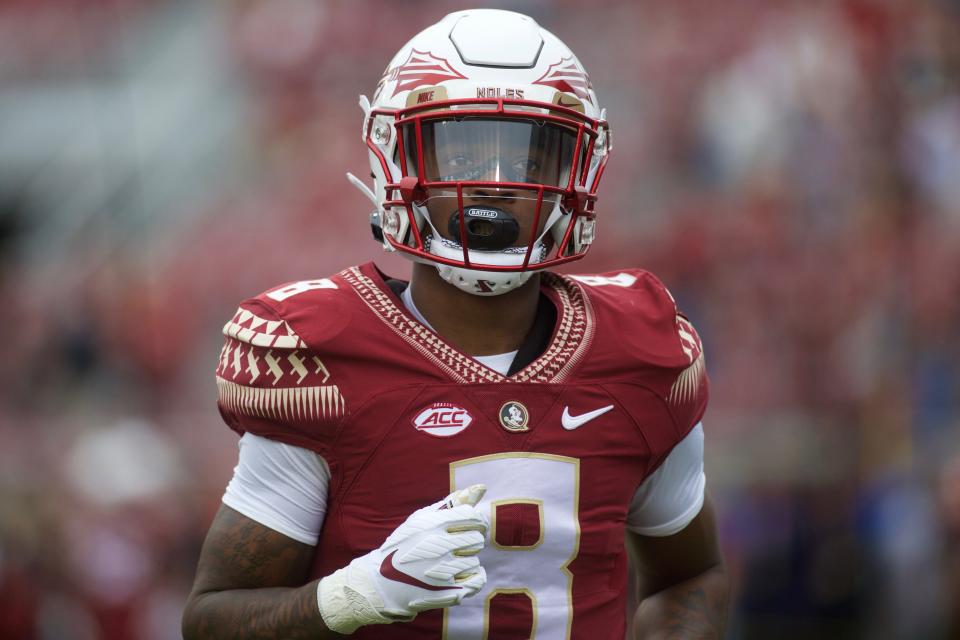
pixel 645 314
pixel 261 326
pixel 635 290
pixel 316 311
pixel 656 334
pixel 267 370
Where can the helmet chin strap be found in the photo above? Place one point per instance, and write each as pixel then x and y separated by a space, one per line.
pixel 484 283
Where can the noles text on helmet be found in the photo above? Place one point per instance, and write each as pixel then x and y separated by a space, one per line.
pixel 486 145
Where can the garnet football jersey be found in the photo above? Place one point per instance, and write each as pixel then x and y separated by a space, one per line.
pixel 338 366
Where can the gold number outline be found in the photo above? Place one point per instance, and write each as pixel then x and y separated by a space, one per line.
pixel 565 567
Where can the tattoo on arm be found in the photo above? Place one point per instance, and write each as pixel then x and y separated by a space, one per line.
pixel 261 614
pixel 692 609
pixel 682 581
pixel 250 585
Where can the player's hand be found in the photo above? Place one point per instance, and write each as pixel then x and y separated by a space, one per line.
pixel 429 561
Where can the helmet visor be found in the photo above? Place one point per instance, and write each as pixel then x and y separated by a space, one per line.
pixel 492 150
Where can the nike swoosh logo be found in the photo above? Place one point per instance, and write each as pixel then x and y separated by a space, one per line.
pixel 390 572
pixel 572 422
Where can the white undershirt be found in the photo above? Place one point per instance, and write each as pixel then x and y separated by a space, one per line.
pixel 499 362
pixel 284 487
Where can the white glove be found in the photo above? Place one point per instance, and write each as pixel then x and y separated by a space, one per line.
pixel 429 561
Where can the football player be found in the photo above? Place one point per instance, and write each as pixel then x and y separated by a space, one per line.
pixel 560 416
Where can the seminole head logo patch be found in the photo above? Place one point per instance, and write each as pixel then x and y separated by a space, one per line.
pixel 514 416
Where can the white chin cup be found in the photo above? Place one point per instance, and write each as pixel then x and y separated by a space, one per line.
pixel 484 283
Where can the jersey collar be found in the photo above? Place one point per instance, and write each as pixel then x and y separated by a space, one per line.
pixel 572 332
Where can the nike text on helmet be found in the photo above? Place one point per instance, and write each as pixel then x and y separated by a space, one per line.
pixel 486 145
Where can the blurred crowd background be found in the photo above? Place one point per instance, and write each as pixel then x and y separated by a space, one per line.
pixel 790 169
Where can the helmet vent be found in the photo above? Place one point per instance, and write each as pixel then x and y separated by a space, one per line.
pixel 508 39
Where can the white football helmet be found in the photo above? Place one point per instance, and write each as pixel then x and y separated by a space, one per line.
pixel 486 145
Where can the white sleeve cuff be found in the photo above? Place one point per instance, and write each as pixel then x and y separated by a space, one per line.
pixel 673 495
pixel 281 486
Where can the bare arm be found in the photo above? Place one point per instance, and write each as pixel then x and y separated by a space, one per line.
pixel 683 584
pixel 252 583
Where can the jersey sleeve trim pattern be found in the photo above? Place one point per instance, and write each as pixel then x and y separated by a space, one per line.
pixel 286 403
pixel 247 327
pixel 685 387
pixel 688 383
pixel 266 371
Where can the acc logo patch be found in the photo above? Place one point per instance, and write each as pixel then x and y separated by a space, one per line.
pixel 514 416
pixel 442 419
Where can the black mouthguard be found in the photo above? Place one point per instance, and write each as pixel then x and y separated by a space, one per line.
pixel 488 228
